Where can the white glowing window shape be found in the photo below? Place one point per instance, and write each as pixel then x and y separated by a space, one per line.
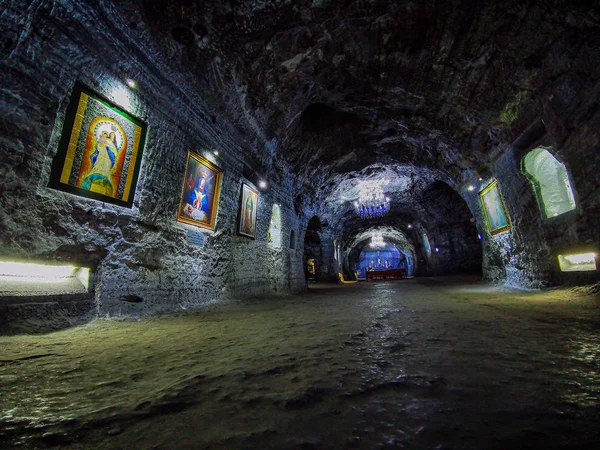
pixel 581 262
pixel 14 276
pixel 426 244
pixel 34 272
pixel 335 251
pixel 275 227
pixel 550 181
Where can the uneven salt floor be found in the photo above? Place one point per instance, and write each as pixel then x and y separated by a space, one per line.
pixel 424 363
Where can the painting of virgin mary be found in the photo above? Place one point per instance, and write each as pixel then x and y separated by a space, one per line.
pixel 100 150
pixel 248 208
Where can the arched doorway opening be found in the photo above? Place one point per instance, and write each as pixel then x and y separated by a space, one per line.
pixel 379 249
pixel 388 257
pixel 313 252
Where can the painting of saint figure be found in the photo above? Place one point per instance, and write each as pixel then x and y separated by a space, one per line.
pixel 494 210
pixel 200 192
pixel 100 150
pixel 248 208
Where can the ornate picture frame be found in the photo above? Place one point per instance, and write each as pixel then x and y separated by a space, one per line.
pixel 494 210
pixel 248 208
pixel 200 192
pixel 100 150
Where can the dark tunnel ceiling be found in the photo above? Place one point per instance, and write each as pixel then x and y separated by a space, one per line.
pixel 424 89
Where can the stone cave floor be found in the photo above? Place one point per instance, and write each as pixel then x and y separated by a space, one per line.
pixel 423 363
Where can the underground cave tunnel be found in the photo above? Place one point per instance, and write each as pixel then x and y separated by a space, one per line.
pixel 299 224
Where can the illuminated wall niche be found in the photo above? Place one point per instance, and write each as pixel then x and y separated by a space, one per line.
pixel 550 182
pixel 18 279
pixel 275 226
pixel 581 262
pixel 426 244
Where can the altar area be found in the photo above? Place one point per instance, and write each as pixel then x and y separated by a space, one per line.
pixel 386 274
pixel 384 264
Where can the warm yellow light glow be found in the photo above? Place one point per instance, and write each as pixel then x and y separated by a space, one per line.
pixel 34 271
pixel 471 188
pixel 578 262
pixel 132 84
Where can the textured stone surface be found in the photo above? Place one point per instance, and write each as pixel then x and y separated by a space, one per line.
pixel 425 98
pixel 141 251
pixel 418 364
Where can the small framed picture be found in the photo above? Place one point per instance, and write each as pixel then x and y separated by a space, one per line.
pixel 200 192
pixel 100 150
pixel 248 207
pixel 494 210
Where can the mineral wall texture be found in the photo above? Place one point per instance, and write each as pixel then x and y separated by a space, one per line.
pixel 140 252
pixel 428 101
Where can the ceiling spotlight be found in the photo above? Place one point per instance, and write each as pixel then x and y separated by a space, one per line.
pixel 262 184
pixel 387 199
pixel 409 225
pixel 471 188
pixel 132 84
pixel 216 153
pixel 480 179
pixel 437 250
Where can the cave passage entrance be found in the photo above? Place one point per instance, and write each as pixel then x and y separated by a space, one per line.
pixel 389 257
pixel 313 260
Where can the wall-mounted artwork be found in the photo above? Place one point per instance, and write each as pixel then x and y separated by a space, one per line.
pixel 494 210
pixel 100 150
pixel 248 207
pixel 200 192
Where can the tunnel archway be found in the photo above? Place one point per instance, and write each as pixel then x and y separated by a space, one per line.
pixel 397 252
pixel 313 258
pixel 387 257
pixel 450 238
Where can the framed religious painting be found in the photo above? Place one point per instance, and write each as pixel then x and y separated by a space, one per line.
pixel 494 210
pixel 200 192
pixel 100 150
pixel 248 206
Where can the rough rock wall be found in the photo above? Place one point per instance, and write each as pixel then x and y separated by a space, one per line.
pixel 526 255
pixel 142 251
pixel 327 271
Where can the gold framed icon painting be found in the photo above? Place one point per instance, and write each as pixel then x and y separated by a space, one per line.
pixel 200 192
pixel 494 210
pixel 248 207
pixel 100 150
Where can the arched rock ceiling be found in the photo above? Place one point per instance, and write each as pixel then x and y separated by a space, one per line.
pixel 417 197
pixel 390 234
pixel 404 184
pixel 345 85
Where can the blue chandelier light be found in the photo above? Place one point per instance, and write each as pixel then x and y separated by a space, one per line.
pixel 371 204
